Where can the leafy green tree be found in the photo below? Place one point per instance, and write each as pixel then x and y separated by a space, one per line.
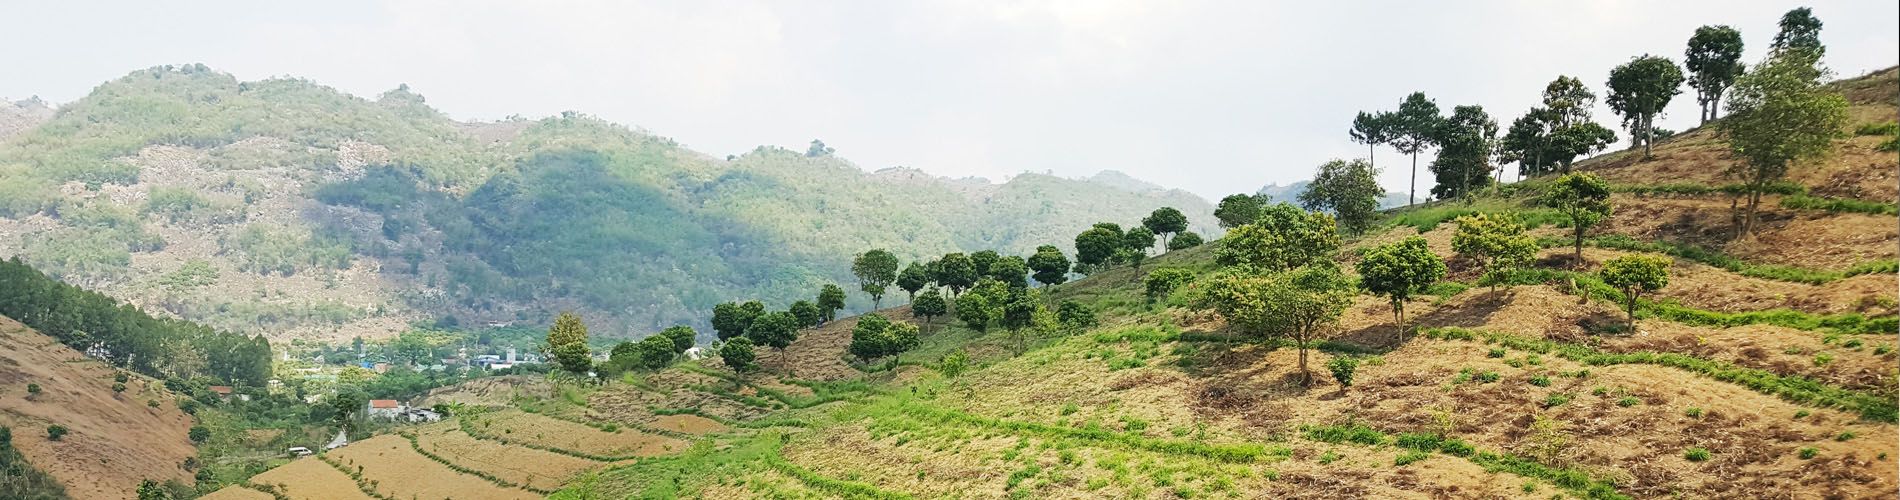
pixel 912 279
pixel 625 347
pixel 818 148
pixel 1131 256
pixel 776 330
pixel 730 320
pixel 1641 89
pixel 903 338
pixel 1011 270
pixel 973 309
pixel 1549 138
pixel 1399 270
pixel 1234 211
pixel 1165 221
pixel 868 338
pixel 1284 237
pixel 1185 240
pixel 959 273
pixel 875 269
pixel 1634 275
pixel 954 364
pixel 1800 33
pixel 830 300
pixel 1779 113
pixel 1496 241
pixel 567 343
pixel 198 433
pixel 1348 189
pixel 151 490
pixel 806 312
pixel 347 401
pixel 1414 128
pixel 982 260
pixel 654 352
pixel 1582 197
pixel 1075 316
pixel 1139 239
pixel 1372 130
pixel 1164 281
pixel 55 431
pixel 1342 368
pixel 410 348
pixel 1714 59
pixel 1096 246
pixel 1466 142
pixel 1301 305
pixel 1050 266
pixel 737 354
pixel 929 304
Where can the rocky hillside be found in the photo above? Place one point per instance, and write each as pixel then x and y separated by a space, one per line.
pixel 287 208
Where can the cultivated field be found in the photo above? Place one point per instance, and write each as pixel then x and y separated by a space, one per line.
pixel 536 469
pixel 551 433
pixel 393 469
pixel 310 479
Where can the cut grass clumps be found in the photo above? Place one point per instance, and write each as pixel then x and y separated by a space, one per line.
pixel 1556 399
pixel 1351 433
pixel 1576 481
pixel 1802 201
pixel 1782 188
pixel 1410 457
pixel 1802 390
pixel 1540 381
pixel 1807 453
pixel 1696 454
pixel 1628 401
pixel 1728 262
pixel 1692 412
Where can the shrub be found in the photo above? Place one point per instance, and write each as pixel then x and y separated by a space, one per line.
pixel 55 431
pixel 1556 399
pixel 1844 435
pixel 1692 412
pixel 1164 281
pixel 1801 414
pixel 1068 409
pixel 1457 448
pixel 1628 401
pixel 1807 453
pixel 1696 454
pixel 1342 368
pixel 1489 376
pixel 33 389
pixel 199 434
pixel 1823 359
pixel 1540 381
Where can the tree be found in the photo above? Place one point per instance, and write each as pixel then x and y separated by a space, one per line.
pixel 954 364
pixel 1496 241
pixel 1166 280
pixel 118 387
pixel 1283 238
pixel 1131 256
pixel 1371 129
pixel 1714 59
pixel 198 433
pixel 729 321
pixel 904 337
pixel 929 304
pixel 1050 266
pixel 1348 189
pixel 151 490
pixel 683 336
pixel 1165 221
pixel 1778 114
pixel 737 354
pixel 1300 305
pixel 912 279
pixel 982 260
pixel 1582 197
pixel 868 340
pixel 776 330
pixel 32 391
pixel 806 312
pixel 347 401
pixel 1414 127
pixel 959 273
pixel 1640 89
pixel 830 300
pixel 875 269
pixel 55 431
pixel 1634 275
pixel 818 148
pixel 1187 239
pixel 653 352
pixel 1342 368
pixel 1466 142
pixel 1235 210
pixel 1139 239
pixel 1800 33
pixel 1075 316
pixel 1399 270
pixel 1096 245
pixel 567 342
pixel 973 309
pixel 1549 138
pixel 1011 270
pixel 410 348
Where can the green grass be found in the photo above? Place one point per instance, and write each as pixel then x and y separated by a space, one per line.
pixel 1806 202
pixel 1729 262
pixel 1797 389
pixel 1645 308
pixel 1696 454
pixel 1783 188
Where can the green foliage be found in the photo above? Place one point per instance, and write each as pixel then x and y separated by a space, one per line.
pixel 199 433
pixel 567 342
pixel 1807 452
pixel 1737 265
pixel 1164 281
pixel 913 278
pixel 177 204
pixel 775 329
pixel 192 274
pixel 1800 34
pixel 875 337
pixel 1342 368
pixel 1283 238
pixel 1348 190
pixel 1095 246
pixel 1185 240
pixel 1399 270
pixel 22 481
pixel 1779 112
pixel 266 250
pixel 929 304
pixel 973 309
pixel 954 364
pixel 1413 129
pixel 1641 89
pixel 1299 305
pixel 1236 210
pixel 1050 266
pixel 55 431
pixel 1075 316
pixel 806 312
pixel 1635 275
pixel 1714 59
pixel 1165 221
pixel 830 300
pixel 1888 128
pixel 1846 205
pixel 1584 198
pixel 737 354
pixel 1496 241
pixel 875 269
pixel 1466 141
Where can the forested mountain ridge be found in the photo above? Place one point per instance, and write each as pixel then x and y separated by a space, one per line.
pixel 288 208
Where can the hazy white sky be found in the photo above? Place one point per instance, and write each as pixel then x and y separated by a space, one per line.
pixel 1214 97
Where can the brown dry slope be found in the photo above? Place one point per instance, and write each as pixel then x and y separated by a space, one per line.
pixel 115 440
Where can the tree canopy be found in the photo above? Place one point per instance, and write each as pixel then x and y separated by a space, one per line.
pixel 1095 246
pixel 1466 141
pixel 1779 113
pixel 1349 190
pixel 913 278
pixel 1237 210
pixel 1372 130
pixel 1640 90
pixel 1300 305
pixel 1800 33
pixel 1050 266
pixel 1399 270
pixel 567 343
pixel 1414 129
pixel 1714 59
pixel 875 269
pixel 1496 241
pixel 1187 239
pixel 929 304
pixel 1582 197
pixel 1165 222
pixel 830 300
pixel 1634 275
pixel 1284 238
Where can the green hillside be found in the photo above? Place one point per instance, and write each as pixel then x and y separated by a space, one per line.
pixel 285 207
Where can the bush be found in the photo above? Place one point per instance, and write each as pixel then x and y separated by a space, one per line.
pixel 1808 452
pixel 1692 412
pixel 55 431
pixel 1889 128
pixel 1696 454
pixel 1540 381
pixel 1556 399
pixel 1164 281
pixel 1628 401
pixel 199 434
pixel 1342 368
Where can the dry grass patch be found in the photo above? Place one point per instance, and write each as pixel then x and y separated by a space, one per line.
pixel 311 479
pixel 395 470
pixel 548 432
pixel 235 492
pixel 690 424
pixel 538 469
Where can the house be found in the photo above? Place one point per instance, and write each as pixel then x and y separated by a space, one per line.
pixel 421 415
pixel 695 353
pixel 225 392
pixel 384 409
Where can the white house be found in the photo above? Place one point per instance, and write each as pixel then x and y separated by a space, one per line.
pixel 384 409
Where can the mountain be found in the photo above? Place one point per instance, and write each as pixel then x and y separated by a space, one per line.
pixel 288 208
pixel 1291 193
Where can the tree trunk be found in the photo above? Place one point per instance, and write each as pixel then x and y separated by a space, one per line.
pixel 1369 151
pixel 1411 196
pixel 1398 312
pixel 1306 377
pixel 1649 135
pixel 1578 261
pixel 1632 312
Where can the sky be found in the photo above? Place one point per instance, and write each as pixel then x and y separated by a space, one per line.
pixel 1212 97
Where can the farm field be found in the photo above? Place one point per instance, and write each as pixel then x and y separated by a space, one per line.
pixel 393 469
pixel 535 469
pixel 309 478
pixel 235 492
pixel 538 431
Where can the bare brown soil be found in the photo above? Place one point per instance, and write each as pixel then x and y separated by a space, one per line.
pixel 115 440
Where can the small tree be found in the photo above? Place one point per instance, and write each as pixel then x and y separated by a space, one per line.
pixel 1074 316
pixel 1131 256
pixel 118 387
pixel 55 431
pixel 1165 221
pixel 198 433
pixel 1342 368
pixel 729 321
pixel 1635 275
pixel 1301 304
pixel 1011 270
pixel 1164 281
pixel 1800 33
pixel 1496 241
pixel 929 304
pixel 653 352
pixel 1185 240
pixel 683 337
pixel 806 312
pixel 1050 266
pixel 1714 59
pixel 1585 199
pixel 954 364
pixel 958 273
pixel 868 338
pixel 32 391
pixel 567 342
pixel 1234 211
pixel 1283 238
pixel 1779 113
pixel 1641 89
pixel 973 309
pixel 1372 130
pixel 1348 189
pixel 1097 245
pixel 912 279
pixel 875 269
pixel 903 338
pixel 737 354
pixel 1399 270
pixel 830 300
pixel 776 330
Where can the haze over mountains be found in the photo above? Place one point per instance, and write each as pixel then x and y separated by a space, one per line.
pixel 285 207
